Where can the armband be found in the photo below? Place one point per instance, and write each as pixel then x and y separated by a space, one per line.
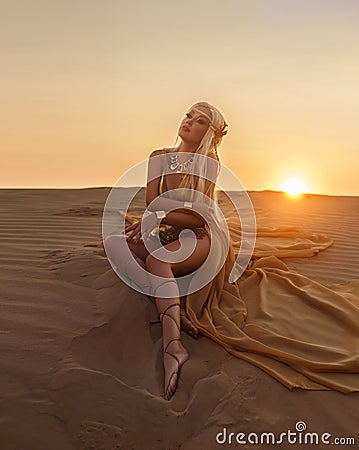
pixel 160 214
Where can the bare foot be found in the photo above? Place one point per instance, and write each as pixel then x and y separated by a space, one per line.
pixel 187 325
pixel 173 359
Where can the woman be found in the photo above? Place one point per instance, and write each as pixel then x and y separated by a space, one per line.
pixel 300 332
pixel 201 132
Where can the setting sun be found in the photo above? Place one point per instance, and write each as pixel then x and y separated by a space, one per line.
pixel 294 186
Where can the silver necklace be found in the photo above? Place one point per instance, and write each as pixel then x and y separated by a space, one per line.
pixel 180 167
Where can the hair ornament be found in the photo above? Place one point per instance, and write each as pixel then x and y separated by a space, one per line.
pixel 219 132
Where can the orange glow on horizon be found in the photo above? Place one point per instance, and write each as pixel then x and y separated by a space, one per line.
pixel 294 187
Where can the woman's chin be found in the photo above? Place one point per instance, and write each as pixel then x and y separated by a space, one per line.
pixel 182 135
pixel 185 138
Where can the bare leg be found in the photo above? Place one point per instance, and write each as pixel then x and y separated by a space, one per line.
pixel 168 305
pixel 116 247
pixel 140 252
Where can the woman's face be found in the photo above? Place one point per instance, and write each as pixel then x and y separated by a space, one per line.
pixel 194 126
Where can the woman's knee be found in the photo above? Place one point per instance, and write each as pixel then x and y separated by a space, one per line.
pixel 115 244
pixel 150 261
pixel 153 264
pixel 114 240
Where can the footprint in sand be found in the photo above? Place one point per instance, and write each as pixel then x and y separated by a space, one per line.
pixel 82 211
pixel 88 250
pixel 99 436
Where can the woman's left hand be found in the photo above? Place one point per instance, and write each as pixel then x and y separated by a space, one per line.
pixel 147 223
pixel 131 227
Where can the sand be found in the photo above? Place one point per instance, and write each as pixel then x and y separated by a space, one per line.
pixel 81 368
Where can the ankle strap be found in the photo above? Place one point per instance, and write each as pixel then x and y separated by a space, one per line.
pixel 168 343
pixel 170 306
pixel 164 313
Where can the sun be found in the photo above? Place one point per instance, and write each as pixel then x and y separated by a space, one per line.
pixel 294 186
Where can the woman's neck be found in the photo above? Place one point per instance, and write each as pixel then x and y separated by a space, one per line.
pixel 187 147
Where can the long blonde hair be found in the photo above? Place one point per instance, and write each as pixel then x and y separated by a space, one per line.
pixel 209 144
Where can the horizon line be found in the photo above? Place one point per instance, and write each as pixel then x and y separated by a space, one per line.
pixel 137 186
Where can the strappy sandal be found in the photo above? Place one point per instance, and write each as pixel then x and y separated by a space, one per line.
pixel 152 298
pixel 182 314
pixel 167 394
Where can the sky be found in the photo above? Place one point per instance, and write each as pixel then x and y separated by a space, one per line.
pixel 89 88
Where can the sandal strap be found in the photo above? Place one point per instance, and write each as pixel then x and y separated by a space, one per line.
pixel 154 321
pixel 164 313
pixel 170 306
pixel 168 343
pixel 159 320
pixel 175 357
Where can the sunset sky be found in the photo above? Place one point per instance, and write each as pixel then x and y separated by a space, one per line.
pixel 89 88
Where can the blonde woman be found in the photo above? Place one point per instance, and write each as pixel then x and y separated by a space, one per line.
pixel 200 132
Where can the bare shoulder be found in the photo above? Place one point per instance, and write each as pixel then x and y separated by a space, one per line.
pixel 157 152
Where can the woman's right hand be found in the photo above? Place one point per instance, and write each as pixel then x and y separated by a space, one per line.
pixel 134 228
pixel 147 223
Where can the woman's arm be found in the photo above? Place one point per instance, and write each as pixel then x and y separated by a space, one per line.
pixel 184 219
pixel 154 173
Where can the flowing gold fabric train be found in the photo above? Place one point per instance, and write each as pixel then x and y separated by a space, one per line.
pixel 300 332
